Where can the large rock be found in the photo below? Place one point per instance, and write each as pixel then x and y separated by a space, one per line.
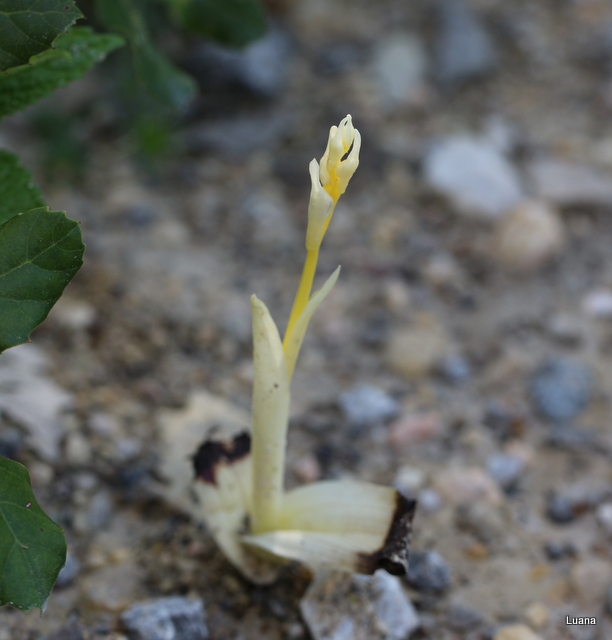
pixel 354 607
pixel 471 172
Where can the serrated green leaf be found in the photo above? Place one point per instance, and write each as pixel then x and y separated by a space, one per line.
pixel 156 79
pixel 40 251
pixel 75 52
pixel 232 22
pixel 32 546
pixel 29 27
pixel 17 191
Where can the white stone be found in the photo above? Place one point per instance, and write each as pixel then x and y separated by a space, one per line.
pixel 33 400
pixel 470 171
pixel 598 303
pixel 399 66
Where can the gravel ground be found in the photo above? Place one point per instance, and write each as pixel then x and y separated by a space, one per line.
pixel 464 355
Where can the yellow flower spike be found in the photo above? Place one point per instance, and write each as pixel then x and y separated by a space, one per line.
pixel 330 178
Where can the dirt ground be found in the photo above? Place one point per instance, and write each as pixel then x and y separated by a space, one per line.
pixel 499 361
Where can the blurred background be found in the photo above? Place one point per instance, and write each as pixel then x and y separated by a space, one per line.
pixel 464 355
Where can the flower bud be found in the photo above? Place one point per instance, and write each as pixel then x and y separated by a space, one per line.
pixel 319 209
pixel 335 172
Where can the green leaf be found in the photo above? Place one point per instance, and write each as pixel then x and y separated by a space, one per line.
pixel 231 22
pixel 75 52
pixel 32 546
pixel 17 191
pixel 40 251
pixel 159 82
pixel 29 27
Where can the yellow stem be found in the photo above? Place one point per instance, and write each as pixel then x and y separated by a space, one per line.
pixel 303 293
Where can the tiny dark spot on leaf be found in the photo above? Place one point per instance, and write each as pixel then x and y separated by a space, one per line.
pixel 276 385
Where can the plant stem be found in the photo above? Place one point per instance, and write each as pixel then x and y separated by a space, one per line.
pixel 303 293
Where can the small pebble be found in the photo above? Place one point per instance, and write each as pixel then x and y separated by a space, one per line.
pixel 399 66
pixel 173 618
pixel 506 469
pixel 366 406
pixel 429 500
pixel 416 428
pixel 537 615
pixel 428 572
pixel 591 579
pixel 570 438
pixel 470 484
pixel 413 352
pixel 528 237
pixel 409 480
pixel 71 631
pixel 560 508
pixel 69 572
pixel 560 389
pixel 569 184
pixel 516 632
pixel 307 468
pixel 598 304
pixel 556 550
pixel 78 449
pixel 462 618
pixel 604 517
pixel 456 369
pixel 483 521
pixel 464 48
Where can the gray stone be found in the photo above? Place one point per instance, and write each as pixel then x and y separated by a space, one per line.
pixel 506 468
pixel 462 618
pixel 68 574
pixel 262 67
pixel 355 607
pixel 464 49
pixel 569 183
pixel 560 508
pixel 365 405
pixel 560 389
pixel 470 171
pixel 399 67
pixel 32 400
pixel 455 369
pixel 240 136
pixel 71 631
pixel 171 618
pixel 428 572
pixel 570 438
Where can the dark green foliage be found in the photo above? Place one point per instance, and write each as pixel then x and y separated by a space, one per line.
pixel 29 27
pixel 232 22
pixel 17 192
pixel 40 251
pixel 75 52
pixel 32 547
